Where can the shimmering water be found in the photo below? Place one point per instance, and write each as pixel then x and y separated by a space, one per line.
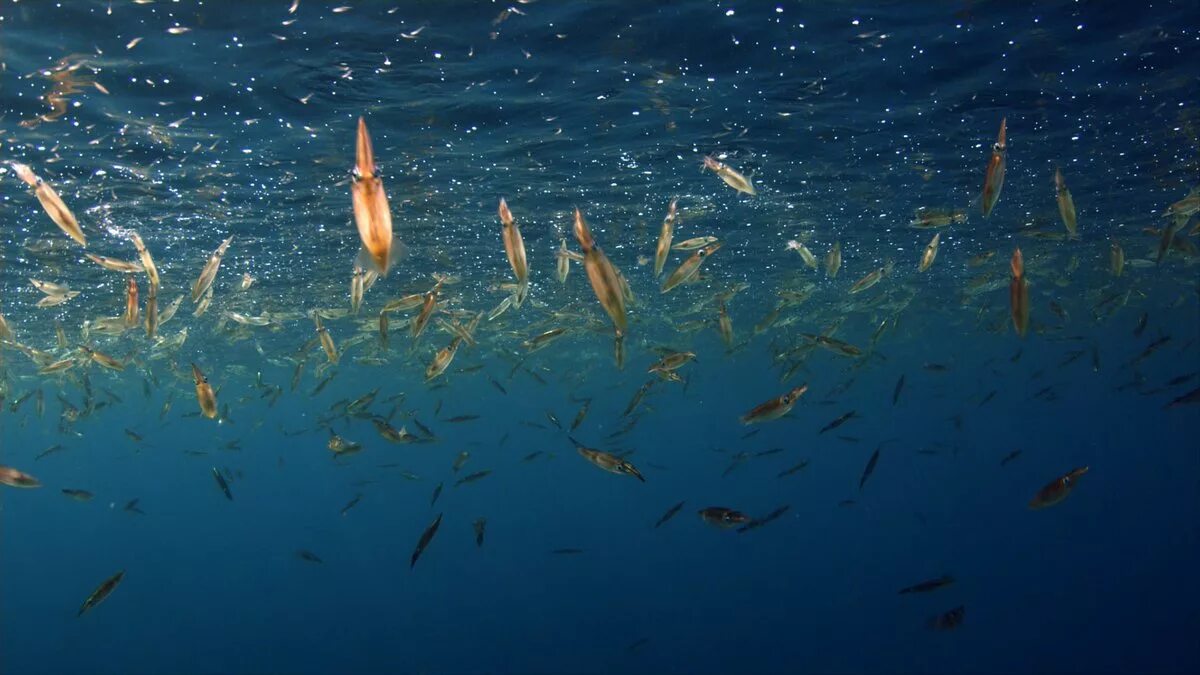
pixel 192 122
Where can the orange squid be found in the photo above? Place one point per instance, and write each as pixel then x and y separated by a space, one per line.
pixel 1018 294
pixel 994 180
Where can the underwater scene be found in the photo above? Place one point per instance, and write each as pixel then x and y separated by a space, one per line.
pixel 538 336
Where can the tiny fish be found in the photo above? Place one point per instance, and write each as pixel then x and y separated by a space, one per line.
pixel 351 504
pixel 1192 396
pixel 669 514
pixel 498 386
pixel 102 591
pixel 759 522
pixel 927 586
pixel 793 469
pixel 426 537
pixel 472 477
pixel 480 526
pixel 579 416
pixel 870 468
pixel 221 483
pixel 842 419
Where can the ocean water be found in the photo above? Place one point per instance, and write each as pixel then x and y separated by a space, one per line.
pixel 190 122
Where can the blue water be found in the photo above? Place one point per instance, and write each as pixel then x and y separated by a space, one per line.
pixel 846 117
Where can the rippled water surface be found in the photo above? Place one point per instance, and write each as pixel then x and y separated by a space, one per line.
pixel 927 429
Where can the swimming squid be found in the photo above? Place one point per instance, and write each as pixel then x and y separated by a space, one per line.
pixel 372 215
pixel 993 181
pixel 719 516
pixel 209 273
pixel 833 260
pixel 603 276
pixel 731 177
pixel 1066 205
pixel 690 267
pixel 52 203
pixel 204 394
pixel 147 260
pixel 930 253
pixel 131 302
pixel 114 264
pixel 514 248
pixel 1057 490
pixel 1116 259
pixel 441 361
pixel 774 408
pixel 1018 294
pixel 664 239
